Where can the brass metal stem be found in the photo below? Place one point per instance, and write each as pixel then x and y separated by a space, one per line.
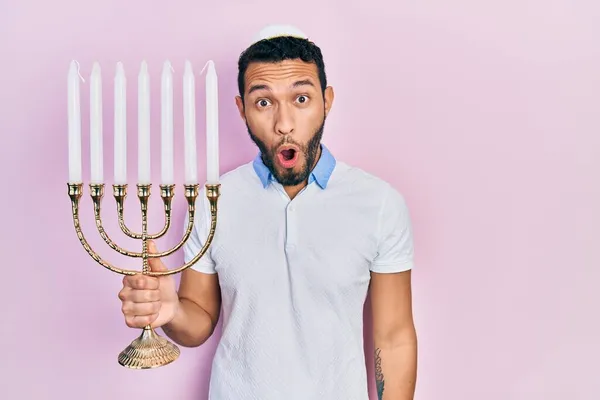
pixel 144 196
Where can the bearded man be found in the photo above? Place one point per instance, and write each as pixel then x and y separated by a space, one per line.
pixel 302 239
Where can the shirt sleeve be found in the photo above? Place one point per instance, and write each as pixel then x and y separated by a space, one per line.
pixel 199 234
pixel 395 239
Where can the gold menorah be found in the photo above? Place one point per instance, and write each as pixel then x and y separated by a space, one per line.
pixel 150 349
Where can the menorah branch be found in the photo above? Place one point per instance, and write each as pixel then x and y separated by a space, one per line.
pixel 97 193
pixel 191 193
pixel 75 193
pixel 166 192
pixel 212 194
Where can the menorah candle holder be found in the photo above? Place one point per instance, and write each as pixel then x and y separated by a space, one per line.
pixel 149 350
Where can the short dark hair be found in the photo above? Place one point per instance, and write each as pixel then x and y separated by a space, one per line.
pixel 279 49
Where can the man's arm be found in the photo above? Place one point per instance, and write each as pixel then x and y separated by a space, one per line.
pixel 394 335
pixel 199 291
pixel 198 310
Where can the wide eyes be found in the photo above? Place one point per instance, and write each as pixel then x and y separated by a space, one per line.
pixel 263 103
pixel 301 99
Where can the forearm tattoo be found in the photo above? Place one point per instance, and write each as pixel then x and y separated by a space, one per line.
pixel 379 374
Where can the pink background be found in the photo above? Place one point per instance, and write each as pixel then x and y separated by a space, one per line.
pixel 483 114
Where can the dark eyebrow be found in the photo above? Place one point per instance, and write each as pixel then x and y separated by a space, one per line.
pixel 254 88
pixel 303 83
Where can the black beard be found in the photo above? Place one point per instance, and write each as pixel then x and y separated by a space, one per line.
pixel 310 151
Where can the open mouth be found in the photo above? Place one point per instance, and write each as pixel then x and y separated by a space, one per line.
pixel 288 154
pixel 287 157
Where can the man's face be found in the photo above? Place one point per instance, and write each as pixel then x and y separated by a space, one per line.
pixel 285 110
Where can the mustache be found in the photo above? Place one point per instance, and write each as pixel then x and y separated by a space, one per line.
pixel 287 140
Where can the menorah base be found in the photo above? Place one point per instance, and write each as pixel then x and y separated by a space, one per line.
pixel 149 350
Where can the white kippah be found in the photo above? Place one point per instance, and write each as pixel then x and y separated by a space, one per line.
pixel 272 31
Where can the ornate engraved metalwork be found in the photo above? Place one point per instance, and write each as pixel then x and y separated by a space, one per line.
pixel 149 350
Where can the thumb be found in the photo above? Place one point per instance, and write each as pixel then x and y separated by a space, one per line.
pixel 155 263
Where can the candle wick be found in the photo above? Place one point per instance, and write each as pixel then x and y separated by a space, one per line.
pixel 205 65
pixel 79 71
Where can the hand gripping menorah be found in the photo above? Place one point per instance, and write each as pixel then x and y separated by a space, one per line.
pixel 149 349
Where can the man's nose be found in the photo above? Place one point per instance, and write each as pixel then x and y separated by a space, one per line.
pixel 284 124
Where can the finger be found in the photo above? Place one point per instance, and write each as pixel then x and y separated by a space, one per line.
pixel 127 281
pixel 137 321
pixel 143 296
pixel 141 282
pixel 131 309
pixel 155 263
pixel 124 293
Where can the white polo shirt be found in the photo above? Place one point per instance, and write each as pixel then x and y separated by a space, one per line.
pixel 294 276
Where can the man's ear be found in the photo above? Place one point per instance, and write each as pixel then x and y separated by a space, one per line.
pixel 240 105
pixel 329 95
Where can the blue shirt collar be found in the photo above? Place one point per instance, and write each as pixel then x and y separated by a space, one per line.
pixel 320 174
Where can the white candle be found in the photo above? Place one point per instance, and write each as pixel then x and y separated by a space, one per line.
pixel 189 125
pixel 167 124
pixel 74 115
pixel 96 125
pixel 144 125
pixel 120 127
pixel 212 125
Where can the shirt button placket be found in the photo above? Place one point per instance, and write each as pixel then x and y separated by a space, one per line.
pixel 291 228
